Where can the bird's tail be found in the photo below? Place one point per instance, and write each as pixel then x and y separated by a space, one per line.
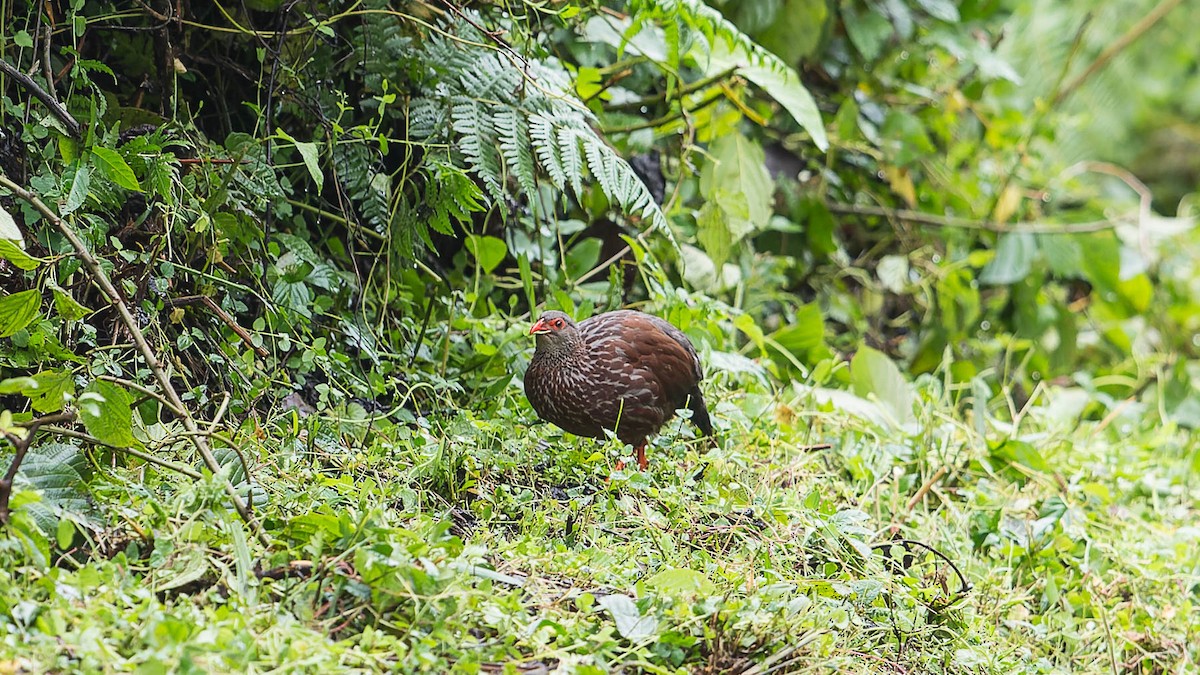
pixel 700 413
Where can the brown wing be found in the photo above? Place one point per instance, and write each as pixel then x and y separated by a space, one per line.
pixel 648 367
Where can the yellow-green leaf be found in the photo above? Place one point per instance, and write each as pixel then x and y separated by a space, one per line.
pixel 107 413
pixel 17 310
pixel 113 167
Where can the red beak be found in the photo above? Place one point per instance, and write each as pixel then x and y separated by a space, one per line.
pixel 539 327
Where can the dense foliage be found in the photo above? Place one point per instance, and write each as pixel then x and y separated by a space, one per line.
pixel 267 269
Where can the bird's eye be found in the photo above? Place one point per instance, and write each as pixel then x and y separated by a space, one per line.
pixel 558 323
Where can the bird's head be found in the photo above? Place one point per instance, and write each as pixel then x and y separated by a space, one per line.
pixel 555 331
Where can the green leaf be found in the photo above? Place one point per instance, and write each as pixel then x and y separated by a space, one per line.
pixel 1181 397
pixel 1021 453
pixel 803 338
pixel 874 375
pixel 308 152
pixel 906 137
pixel 943 10
pixel 796 30
pixel 79 190
pixel 18 310
pixel 630 623
pixel 1014 258
pixel 14 385
pixel 105 409
pixel 51 390
pixel 582 257
pixel 66 305
pixel 778 80
pixel 736 175
pixel 12 243
pixel 681 581
pixel 712 229
pixel 59 472
pixel 10 251
pixel 488 251
pixel 868 31
pixel 113 167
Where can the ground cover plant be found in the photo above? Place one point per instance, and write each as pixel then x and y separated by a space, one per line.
pixel 268 270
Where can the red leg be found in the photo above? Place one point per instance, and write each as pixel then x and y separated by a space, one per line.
pixel 643 464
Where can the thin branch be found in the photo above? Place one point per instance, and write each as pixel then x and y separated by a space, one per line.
pixel 144 456
pixel 20 448
pixel 1135 31
pixel 73 127
pixel 966 223
pixel 224 316
pixel 143 390
pixel 637 104
pixel 200 441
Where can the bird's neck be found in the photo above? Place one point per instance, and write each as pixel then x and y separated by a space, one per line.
pixel 559 352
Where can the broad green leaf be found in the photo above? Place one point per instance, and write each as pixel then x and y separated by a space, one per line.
pixel 1063 254
pixel 630 623
pixel 105 409
pixel 113 167
pixel 582 257
pixel 1021 453
pixel 1014 258
pixel 874 375
pixel 296 296
pixel 803 338
pixel 488 251
pixel 712 229
pixel 1102 261
pixel 1181 396
pixel 906 137
pixel 796 30
pixel 66 305
pixel 9 228
pixel 944 10
pixel 736 176
pixel 308 152
pixel 680 581
pixel 868 31
pixel 778 80
pixel 10 251
pixel 53 388
pixel 18 310
pixel 59 472
pixel 79 190
pixel 15 385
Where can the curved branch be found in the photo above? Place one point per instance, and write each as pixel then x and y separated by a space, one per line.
pixel 199 440
pixel 73 127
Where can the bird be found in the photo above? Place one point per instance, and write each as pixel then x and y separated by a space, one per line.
pixel 622 371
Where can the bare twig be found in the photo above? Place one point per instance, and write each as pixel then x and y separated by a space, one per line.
pixel 145 391
pixel 144 456
pixel 1135 31
pixel 966 223
pixel 20 448
pixel 224 316
pixel 73 127
pixel 200 441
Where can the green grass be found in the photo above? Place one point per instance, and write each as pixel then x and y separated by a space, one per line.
pixel 483 544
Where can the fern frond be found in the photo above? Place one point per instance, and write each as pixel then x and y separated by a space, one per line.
pixel 541 130
pixel 514 146
pixel 478 143
pixel 490 77
pixel 753 61
pixel 568 147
